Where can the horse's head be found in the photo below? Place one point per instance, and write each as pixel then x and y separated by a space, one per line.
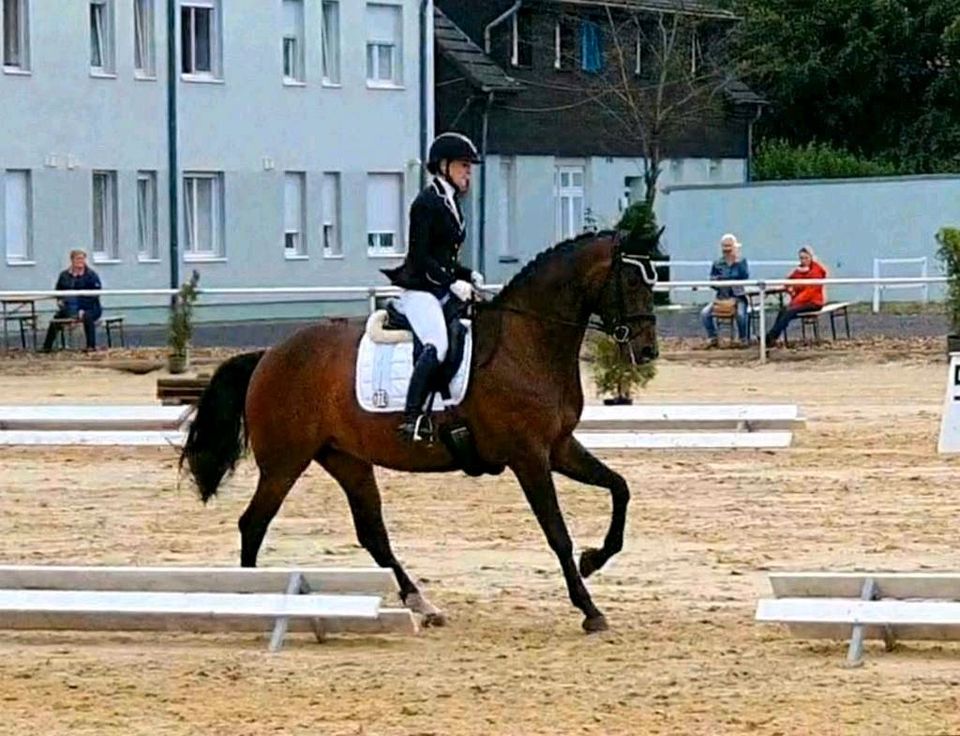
pixel 626 303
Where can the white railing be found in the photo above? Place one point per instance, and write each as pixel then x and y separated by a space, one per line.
pixel 372 293
pixel 878 288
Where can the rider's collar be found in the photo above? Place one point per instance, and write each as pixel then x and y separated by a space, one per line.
pixel 449 193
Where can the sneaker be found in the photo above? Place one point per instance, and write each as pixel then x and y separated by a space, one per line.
pixel 713 344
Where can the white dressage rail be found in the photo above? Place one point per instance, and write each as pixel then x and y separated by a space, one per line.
pixel 865 605
pixel 201 599
pixel 92 417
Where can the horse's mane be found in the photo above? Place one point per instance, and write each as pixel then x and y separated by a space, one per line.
pixel 561 249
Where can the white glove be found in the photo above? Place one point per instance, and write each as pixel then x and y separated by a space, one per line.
pixel 476 278
pixel 462 290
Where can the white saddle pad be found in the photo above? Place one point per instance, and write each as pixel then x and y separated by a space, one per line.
pixel 383 373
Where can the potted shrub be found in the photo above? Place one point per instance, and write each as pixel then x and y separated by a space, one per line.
pixel 615 375
pixel 181 326
pixel 948 252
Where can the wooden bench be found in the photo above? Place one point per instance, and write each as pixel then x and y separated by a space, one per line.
pixel 69 324
pixel 832 310
pixel 25 322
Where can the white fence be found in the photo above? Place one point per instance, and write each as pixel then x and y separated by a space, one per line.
pixel 879 288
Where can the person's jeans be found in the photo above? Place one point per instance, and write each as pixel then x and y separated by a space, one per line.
pixel 90 318
pixel 784 317
pixel 710 324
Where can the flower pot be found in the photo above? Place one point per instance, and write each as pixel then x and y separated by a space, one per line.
pixel 618 401
pixel 178 362
pixel 953 344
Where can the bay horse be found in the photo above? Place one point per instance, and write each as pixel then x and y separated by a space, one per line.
pixel 295 403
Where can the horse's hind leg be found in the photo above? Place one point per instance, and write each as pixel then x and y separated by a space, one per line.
pixel 272 488
pixel 359 483
pixel 574 461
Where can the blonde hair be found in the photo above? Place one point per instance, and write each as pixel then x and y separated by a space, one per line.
pixel 808 250
pixel 77 252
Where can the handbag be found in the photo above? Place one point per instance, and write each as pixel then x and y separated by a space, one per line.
pixel 724 308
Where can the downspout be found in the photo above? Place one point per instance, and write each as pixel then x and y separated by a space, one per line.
pixel 172 154
pixel 482 239
pixel 750 142
pixel 426 13
pixel 497 21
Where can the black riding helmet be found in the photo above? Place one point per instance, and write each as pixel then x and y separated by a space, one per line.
pixel 452 147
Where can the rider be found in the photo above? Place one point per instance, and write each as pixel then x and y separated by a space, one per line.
pixel 431 274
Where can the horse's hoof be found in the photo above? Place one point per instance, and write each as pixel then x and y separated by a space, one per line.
pixel 589 562
pixel 434 620
pixel 593 624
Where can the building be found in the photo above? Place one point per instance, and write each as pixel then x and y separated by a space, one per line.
pixel 294 129
pixel 506 73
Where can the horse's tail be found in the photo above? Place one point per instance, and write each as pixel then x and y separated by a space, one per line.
pixel 218 435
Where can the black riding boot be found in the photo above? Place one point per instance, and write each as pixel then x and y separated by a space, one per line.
pixel 423 373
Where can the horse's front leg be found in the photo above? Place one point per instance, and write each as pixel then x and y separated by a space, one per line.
pixel 574 461
pixel 533 472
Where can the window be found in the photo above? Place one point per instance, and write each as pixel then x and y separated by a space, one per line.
pixel 294 239
pixel 565 44
pixel 148 248
pixel 199 39
pixel 569 193
pixel 330 42
pixel 293 41
pixel 101 37
pixel 105 216
pixel 591 47
pixel 15 35
pixel 646 61
pixel 203 216
pixel 144 58
pixel 506 211
pixel 384 33
pixel 521 53
pixel 384 192
pixel 17 216
pixel 332 245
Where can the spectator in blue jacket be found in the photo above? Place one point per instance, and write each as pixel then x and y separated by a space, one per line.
pixel 731 266
pixel 85 309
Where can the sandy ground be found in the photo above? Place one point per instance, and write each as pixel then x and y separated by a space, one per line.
pixel 862 488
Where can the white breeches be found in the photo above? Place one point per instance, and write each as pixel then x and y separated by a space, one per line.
pixel 425 314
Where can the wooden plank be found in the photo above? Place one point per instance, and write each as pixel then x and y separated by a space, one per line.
pixel 944 586
pixel 107 438
pixel 832 618
pixel 332 580
pixel 73 417
pixel 62 603
pixel 388 621
pixel 683 440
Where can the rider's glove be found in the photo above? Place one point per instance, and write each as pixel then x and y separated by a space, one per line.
pixel 476 278
pixel 462 290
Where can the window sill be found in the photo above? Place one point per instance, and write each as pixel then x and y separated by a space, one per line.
pixel 106 261
pixel 332 85
pixel 21 263
pixel 195 258
pixel 386 86
pixel 508 259
pixel 296 257
pixel 142 77
pixel 102 75
pixel 142 259
pixel 201 79
pixel 380 254
pixel 16 71
pixel 293 83
pixel 333 256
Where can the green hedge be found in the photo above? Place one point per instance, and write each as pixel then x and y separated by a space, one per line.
pixel 777 160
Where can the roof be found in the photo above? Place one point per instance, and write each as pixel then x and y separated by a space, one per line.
pixel 479 69
pixel 741 94
pixel 702 8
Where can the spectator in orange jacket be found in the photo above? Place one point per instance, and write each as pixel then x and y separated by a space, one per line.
pixel 802 298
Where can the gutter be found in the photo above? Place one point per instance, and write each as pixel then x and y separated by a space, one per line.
pixel 497 21
pixel 173 174
pixel 750 142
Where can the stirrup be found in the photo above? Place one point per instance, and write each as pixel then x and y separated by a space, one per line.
pixel 418 430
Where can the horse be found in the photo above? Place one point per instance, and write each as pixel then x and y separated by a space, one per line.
pixel 294 403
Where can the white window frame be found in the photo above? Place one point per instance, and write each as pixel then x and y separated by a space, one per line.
pixel 217 251
pixel 507 209
pixel 148 241
pixel 330 43
pixel 107 50
pixel 696 53
pixel 376 238
pixel 330 228
pixel 215 73
pixel 515 41
pixel 565 196
pixel 26 258
pixel 298 236
pixel 107 251
pixel 296 76
pixel 144 40
pixel 393 47
pixel 21 65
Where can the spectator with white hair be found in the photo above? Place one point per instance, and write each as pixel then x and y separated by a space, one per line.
pixel 729 301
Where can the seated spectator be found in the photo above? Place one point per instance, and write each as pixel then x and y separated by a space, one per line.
pixel 84 309
pixel 729 300
pixel 802 298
